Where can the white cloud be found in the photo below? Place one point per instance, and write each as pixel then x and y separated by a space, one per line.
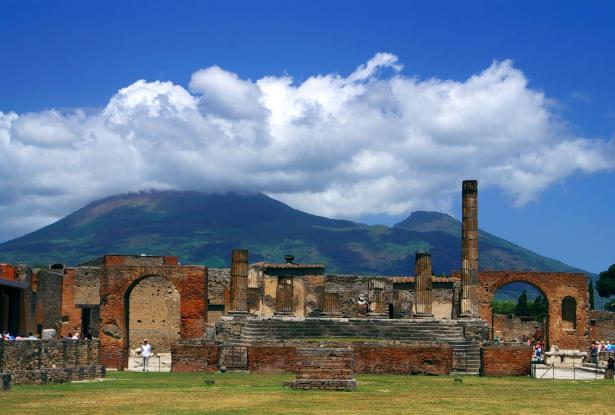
pixel 373 142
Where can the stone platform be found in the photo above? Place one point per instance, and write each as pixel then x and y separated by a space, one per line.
pixel 325 369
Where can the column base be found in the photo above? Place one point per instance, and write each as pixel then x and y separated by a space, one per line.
pixel 422 315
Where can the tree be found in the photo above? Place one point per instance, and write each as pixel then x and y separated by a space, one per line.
pixel 522 307
pixel 590 288
pixel 503 306
pixel 606 282
pixel 610 306
pixel 539 308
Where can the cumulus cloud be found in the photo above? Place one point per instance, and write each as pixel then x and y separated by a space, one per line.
pixel 375 141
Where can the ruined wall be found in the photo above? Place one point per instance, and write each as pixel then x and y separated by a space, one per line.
pixel 48 300
pixel 506 360
pixel 403 297
pixel 41 354
pixel 353 293
pixel 80 289
pixel 403 359
pixel 117 281
pixel 604 328
pixel 272 359
pixel 555 286
pixel 194 356
pixel 510 328
pixel 218 293
pixel 154 314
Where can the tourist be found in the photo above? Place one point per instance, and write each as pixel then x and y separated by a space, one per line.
pixel 602 346
pixel 75 336
pixel 609 347
pixel 538 350
pixel 146 352
pixel 594 353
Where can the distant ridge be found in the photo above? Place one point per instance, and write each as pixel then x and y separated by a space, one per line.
pixel 202 228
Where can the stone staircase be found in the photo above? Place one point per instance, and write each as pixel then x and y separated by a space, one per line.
pixel 466 354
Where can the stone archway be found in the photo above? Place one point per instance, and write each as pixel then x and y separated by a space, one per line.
pixel 116 285
pixel 555 286
pixel 153 313
pixel 519 326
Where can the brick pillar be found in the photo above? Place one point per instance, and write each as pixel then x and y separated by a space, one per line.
pixel 422 293
pixel 239 280
pixel 469 249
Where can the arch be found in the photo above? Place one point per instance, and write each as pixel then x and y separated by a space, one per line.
pixel 159 322
pixel 116 286
pixel 555 286
pixel 510 328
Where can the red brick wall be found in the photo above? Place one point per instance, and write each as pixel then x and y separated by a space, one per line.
pixel 605 326
pixel 71 315
pixel 194 357
pixel 555 286
pixel 115 285
pixel 506 360
pixel 272 359
pixel 432 359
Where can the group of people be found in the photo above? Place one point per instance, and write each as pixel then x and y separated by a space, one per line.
pixel 599 347
pixel 8 337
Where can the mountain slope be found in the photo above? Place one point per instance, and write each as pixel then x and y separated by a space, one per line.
pixel 203 228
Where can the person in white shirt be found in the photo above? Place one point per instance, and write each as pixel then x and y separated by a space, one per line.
pixel 146 352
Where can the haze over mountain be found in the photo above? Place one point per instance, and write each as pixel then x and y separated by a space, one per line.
pixel 202 229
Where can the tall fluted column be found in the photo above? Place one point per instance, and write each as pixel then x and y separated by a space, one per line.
pixel 469 249
pixel 422 293
pixel 239 280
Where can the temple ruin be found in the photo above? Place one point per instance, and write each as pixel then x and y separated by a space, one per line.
pixel 259 316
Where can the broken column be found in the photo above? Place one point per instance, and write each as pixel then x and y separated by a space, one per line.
pixel 469 249
pixel 239 280
pixel 423 282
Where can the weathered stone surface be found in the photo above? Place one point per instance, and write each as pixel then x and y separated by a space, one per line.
pixel 194 356
pixel 506 360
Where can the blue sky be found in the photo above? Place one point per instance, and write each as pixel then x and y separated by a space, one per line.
pixel 71 56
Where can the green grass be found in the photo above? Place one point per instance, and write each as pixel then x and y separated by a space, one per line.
pixel 182 393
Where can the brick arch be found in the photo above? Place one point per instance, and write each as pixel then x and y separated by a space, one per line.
pixel 555 287
pixel 117 283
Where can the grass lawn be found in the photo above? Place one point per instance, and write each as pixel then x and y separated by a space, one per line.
pixel 183 393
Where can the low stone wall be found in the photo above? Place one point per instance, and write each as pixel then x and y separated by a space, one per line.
pixel 272 359
pixel 194 356
pixel 404 359
pixel 58 375
pixel 45 354
pixel 506 360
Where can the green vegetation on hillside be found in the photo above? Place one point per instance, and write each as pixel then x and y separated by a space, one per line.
pixel 203 228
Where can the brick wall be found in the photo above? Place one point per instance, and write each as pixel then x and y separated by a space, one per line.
pixel 506 360
pixel 272 359
pixel 403 359
pixel 194 356
pixel 604 328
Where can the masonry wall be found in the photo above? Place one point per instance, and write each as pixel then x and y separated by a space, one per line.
pixel 510 328
pixel 403 359
pixel 194 356
pixel 48 300
pixel 506 360
pixel 398 359
pixel 42 354
pixel 604 328
pixel 218 293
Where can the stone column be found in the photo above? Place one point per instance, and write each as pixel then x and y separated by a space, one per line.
pixel 239 280
pixel 423 282
pixel 469 249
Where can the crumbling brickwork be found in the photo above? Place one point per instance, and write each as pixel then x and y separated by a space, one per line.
pixel 506 360
pixel 116 285
pixel 194 356
pixel 404 359
pixel 556 286
pixel 604 326
pixel 272 359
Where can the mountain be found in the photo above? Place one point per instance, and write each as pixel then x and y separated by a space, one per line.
pixel 202 228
